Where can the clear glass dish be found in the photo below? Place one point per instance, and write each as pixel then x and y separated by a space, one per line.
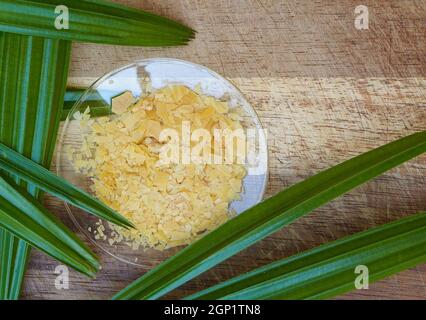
pixel 159 72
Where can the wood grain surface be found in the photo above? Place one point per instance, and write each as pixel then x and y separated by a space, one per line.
pixel 325 92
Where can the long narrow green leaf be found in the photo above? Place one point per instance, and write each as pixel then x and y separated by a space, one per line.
pixel 33 76
pixel 91 21
pixel 7 240
pixel 328 270
pixel 16 164
pixel 26 218
pixel 271 215
pixel 119 10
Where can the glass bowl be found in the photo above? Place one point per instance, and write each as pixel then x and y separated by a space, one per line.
pixel 158 73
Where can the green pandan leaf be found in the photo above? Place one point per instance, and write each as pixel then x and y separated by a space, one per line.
pixel 91 21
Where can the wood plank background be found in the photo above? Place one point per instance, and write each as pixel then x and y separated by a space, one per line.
pixel 324 90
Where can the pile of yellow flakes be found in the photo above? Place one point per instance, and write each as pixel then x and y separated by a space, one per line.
pixel 170 204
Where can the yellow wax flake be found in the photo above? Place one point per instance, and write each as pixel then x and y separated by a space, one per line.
pixel 220 106
pixel 170 204
pixel 130 120
pixel 161 179
pixel 190 98
pixel 121 103
pixel 153 128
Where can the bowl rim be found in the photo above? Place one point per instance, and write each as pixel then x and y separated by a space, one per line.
pixel 136 64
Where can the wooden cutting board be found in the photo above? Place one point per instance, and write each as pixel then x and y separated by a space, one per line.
pixel 324 90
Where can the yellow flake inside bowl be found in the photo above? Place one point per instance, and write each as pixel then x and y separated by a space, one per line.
pixel 171 204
